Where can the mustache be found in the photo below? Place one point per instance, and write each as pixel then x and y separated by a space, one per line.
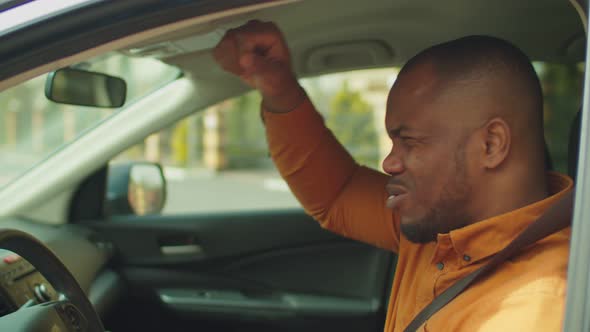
pixel 396 187
pixel 396 182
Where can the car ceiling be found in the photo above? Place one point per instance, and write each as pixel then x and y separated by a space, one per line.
pixel 335 35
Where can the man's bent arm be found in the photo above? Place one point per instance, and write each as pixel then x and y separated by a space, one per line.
pixel 343 196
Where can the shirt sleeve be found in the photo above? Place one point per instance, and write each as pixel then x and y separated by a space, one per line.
pixel 343 196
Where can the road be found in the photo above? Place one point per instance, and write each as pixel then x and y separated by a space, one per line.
pixel 229 191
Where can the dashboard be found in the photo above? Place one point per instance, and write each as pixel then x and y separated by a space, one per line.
pixel 21 284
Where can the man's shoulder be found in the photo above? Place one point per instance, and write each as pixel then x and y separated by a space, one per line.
pixel 549 252
pixel 539 270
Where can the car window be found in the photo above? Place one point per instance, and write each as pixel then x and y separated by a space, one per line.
pixel 33 127
pixel 217 159
pixel 562 92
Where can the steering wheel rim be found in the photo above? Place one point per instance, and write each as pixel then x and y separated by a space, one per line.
pixel 45 261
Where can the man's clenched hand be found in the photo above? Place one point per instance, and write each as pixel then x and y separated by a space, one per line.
pixel 258 54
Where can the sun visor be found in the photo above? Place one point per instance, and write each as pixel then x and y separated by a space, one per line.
pixel 186 45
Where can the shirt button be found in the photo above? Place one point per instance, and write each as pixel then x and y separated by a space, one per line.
pixel 466 258
pixel 440 266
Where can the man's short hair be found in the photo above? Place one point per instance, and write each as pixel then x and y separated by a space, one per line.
pixel 479 57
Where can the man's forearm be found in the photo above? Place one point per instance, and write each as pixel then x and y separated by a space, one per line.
pixel 308 156
pixel 344 197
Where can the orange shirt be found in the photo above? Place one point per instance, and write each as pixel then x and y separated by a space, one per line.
pixel 527 293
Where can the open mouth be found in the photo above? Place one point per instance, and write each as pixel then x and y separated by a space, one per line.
pixel 393 201
pixel 396 195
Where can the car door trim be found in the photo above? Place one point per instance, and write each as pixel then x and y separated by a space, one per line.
pixel 185 249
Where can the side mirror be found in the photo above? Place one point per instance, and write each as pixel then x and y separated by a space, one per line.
pixel 85 88
pixel 137 188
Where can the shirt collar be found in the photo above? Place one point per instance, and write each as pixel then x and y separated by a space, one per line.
pixel 487 237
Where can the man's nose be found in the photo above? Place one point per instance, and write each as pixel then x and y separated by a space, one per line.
pixel 392 164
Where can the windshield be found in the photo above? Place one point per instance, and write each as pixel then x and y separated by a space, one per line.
pixel 32 127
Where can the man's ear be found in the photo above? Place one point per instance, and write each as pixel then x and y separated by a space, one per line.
pixel 496 142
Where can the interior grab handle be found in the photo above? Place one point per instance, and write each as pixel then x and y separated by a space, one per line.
pixel 182 249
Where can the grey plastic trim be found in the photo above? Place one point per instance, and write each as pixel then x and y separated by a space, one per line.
pixel 580 7
pixel 188 249
pixel 578 290
pixel 343 56
pixel 106 290
pixel 231 301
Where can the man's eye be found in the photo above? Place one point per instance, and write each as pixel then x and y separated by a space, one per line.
pixel 408 141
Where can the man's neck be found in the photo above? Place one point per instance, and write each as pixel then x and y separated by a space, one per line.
pixel 510 195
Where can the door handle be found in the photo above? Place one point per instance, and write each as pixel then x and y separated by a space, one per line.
pixel 181 249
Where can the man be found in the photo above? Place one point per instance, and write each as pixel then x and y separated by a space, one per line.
pixel 465 175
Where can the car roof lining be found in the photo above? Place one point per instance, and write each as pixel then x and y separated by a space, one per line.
pixel 401 26
pixel 322 41
pixel 134 38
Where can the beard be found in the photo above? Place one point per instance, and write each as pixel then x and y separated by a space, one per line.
pixel 448 211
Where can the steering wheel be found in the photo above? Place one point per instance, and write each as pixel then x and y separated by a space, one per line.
pixel 75 313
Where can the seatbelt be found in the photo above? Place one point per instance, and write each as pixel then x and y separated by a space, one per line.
pixel 557 217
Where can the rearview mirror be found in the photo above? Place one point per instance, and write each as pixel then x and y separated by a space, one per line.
pixel 135 188
pixel 85 88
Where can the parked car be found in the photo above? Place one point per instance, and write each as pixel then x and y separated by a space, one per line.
pixel 136 193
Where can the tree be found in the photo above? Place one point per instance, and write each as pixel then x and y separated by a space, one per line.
pixel 350 118
pixel 562 90
pixel 245 137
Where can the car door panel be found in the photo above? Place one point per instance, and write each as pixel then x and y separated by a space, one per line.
pixel 259 268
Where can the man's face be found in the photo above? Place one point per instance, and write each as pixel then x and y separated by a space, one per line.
pixel 430 185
